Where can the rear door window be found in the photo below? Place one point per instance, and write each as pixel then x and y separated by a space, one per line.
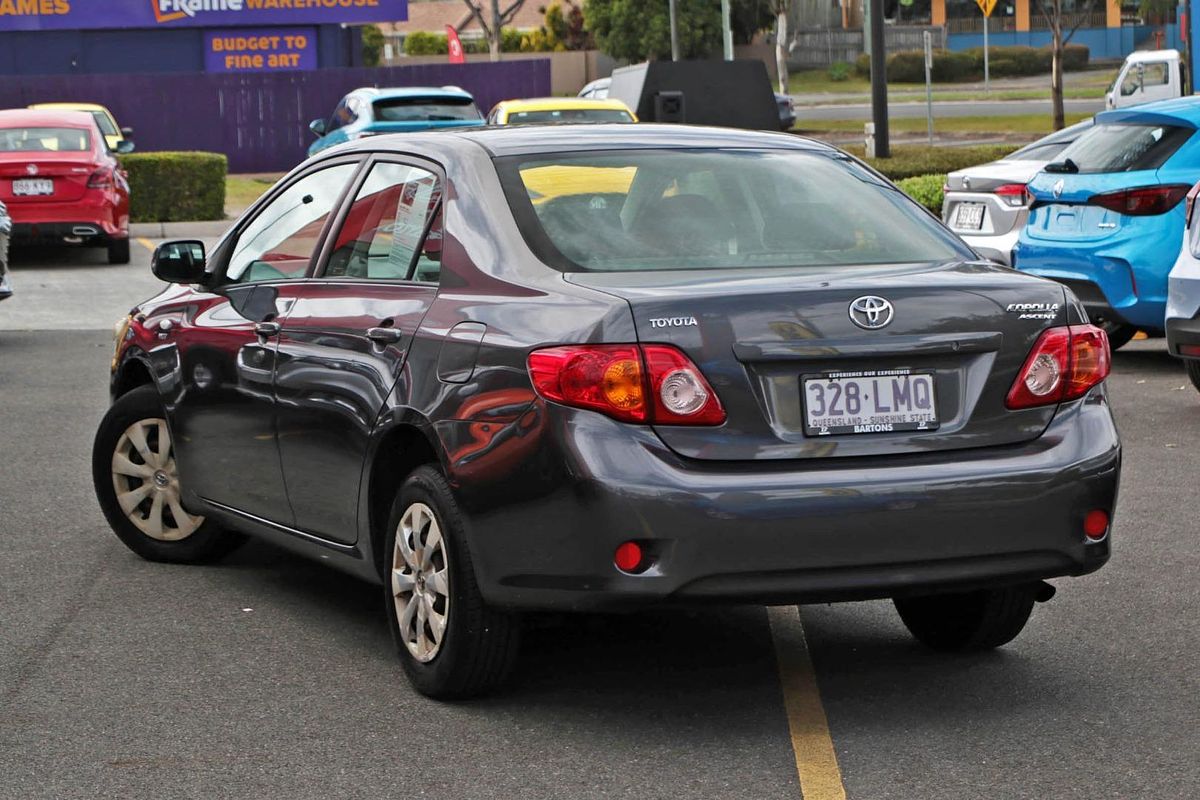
pixel 1122 148
pixel 388 233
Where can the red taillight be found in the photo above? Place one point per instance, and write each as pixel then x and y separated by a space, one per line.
pixel 1144 202
pixel 651 383
pixel 1012 194
pixel 1064 363
pixel 101 179
pixel 1191 204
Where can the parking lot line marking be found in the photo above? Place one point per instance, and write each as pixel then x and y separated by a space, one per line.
pixel 816 760
pixel 146 243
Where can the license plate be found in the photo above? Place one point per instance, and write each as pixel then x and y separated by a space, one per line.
pixel 871 401
pixel 968 216
pixel 33 186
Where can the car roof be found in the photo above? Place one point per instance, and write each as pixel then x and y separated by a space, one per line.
pixel 400 92
pixel 1179 110
pixel 45 118
pixel 70 106
pixel 504 140
pixel 1151 55
pixel 561 104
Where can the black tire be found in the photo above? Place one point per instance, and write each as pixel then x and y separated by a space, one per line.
pixel 968 621
pixel 479 644
pixel 1193 372
pixel 118 251
pixel 1119 334
pixel 206 542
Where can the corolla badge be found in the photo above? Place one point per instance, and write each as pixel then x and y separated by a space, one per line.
pixel 871 312
pixel 1057 188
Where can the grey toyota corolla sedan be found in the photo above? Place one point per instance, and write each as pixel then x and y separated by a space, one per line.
pixel 612 367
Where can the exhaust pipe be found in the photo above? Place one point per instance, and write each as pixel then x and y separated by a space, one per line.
pixel 84 230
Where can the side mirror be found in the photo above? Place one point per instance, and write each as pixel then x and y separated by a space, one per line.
pixel 317 126
pixel 179 262
pixel 127 133
pixel 124 146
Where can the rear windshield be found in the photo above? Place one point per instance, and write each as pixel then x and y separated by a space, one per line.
pixel 422 109
pixel 39 140
pixel 686 209
pixel 1037 152
pixel 570 115
pixel 1121 148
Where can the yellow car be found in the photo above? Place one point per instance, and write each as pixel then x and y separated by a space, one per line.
pixel 560 109
pixel 120 140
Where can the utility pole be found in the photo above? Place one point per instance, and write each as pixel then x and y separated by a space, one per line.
pixel 728 31
pixel 674 32
pixel 879 109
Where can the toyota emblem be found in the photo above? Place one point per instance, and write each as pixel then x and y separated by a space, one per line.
pixel 31 169
pixel 871 312
pixel 1057 188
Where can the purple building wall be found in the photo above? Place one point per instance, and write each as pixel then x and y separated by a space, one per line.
pixel 259 120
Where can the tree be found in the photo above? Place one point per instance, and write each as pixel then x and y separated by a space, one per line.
pixel 638 30
pixel 372 45
pixel 493 31
pixel 781 9
pixel 1052 10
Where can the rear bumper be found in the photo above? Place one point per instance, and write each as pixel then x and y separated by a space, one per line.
pixel 1183 303
pixel 998 248
pixel 75 232
pixel 787 532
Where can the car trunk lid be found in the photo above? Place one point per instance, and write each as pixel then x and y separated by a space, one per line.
pixel 758 335
pixel 20 176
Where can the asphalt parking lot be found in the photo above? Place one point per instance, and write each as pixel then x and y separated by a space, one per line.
pixel 269 676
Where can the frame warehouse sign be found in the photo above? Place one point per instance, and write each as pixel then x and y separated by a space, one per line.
pixel 35 15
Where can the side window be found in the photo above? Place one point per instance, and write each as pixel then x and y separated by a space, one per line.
pixel 279 241
pixel 384 235
pixel 1155 74
pixel 1131 83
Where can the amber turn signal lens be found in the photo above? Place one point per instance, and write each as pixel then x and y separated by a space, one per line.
pixel 622 384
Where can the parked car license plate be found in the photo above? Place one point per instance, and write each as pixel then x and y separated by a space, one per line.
pixel 968 216
pixel 33 186
pixel 870 401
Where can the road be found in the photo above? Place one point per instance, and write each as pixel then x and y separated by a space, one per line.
pixel 947 108
pixel 266 676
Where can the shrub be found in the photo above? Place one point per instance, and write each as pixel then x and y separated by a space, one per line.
pixel 908 161
pixel 423 43
pixel 176 186
pixel 950 66
pixel 839 71
pixel 372 45
pixel 925 189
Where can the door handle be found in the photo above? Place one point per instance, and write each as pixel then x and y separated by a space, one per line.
pixel 385 335
pixel 267 329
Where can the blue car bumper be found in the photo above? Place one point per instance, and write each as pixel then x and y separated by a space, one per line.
pixel 1121 277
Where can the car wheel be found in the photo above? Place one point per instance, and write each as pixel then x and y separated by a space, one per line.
pixel 1119 333
pixel 118 251
pixel 451 643
pixel 1193 372
pixel 968 621
pixel 137 484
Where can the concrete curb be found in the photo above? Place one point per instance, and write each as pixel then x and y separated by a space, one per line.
pixel 179 230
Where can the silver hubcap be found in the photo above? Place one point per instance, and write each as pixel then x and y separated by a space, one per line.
pixel 147 482
pixel 420 582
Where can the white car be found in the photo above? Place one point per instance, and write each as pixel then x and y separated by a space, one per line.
pixel 1183 295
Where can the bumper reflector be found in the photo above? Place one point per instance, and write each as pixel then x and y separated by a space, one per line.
pixel 1095 525
pixel 628 557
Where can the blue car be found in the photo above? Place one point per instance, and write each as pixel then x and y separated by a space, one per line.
pixel 370 112
pixel 1107 216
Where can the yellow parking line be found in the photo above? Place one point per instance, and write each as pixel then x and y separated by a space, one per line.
pixel 146 243
pixel 816 760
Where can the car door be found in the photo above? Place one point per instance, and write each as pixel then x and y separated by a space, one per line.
pixel 223 412
pixel 344 342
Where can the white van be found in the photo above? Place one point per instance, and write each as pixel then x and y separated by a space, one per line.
pixel 1146 76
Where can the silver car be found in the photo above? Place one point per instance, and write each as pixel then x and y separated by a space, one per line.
pixel 5 230
pixel 987 205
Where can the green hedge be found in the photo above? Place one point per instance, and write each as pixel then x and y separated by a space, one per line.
pixel 176 186
pixel 949 66
pixel 926 190
pixel 910 161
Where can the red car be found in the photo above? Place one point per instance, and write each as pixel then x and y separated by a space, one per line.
pixel 61 183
